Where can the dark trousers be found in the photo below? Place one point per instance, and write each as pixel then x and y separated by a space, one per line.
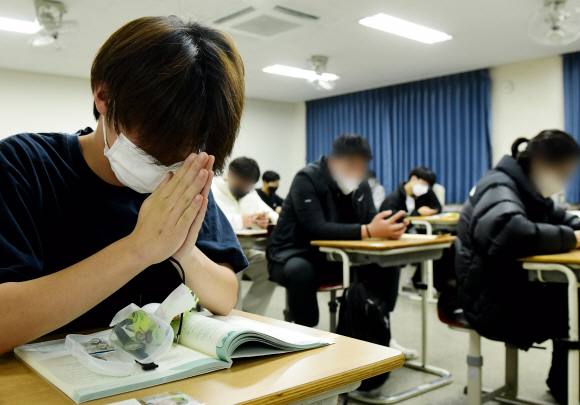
pixel 302 276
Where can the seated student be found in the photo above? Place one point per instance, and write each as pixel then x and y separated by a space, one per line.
pixel 510 215
pixel 81 235
pixel 376 188
pixel 271 181
pixel 416 196
pixel 329 199
pixel 236 196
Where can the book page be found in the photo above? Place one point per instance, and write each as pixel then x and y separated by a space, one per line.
pixel 208 335
pixel 285 335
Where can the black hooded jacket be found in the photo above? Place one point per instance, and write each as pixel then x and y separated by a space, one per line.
pixel 506 219
pixel 310 212
pixel 397 201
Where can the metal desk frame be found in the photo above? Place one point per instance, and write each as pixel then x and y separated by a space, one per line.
pixel 389 258
pixel 429 226
pixel 573 284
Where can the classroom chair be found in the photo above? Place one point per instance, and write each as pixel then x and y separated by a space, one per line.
pixel 439 191
pixel 508 393
pixel 332 304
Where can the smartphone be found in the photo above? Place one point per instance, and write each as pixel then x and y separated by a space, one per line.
pixel 400 220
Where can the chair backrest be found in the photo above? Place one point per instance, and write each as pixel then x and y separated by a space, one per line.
pixel 439 191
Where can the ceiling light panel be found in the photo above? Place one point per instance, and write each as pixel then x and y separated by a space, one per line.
pixel 405 29
pixel 299 73
pixel 24 27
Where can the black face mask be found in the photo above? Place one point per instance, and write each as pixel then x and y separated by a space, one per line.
pixel 272 189
pixel 238 193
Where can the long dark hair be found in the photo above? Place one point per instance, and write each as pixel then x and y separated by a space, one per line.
pixel 551 145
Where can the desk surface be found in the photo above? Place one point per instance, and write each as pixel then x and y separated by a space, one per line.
pixel 572 257
pixel 245 233
pixel 451 220
pixel 385 244
pixel 279 379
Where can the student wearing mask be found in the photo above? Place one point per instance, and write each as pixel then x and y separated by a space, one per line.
pixel 415 196
pixel 510 215
pixel 377 189
pixel 89 220
pixel 271 181
pixel 242 206
pixel 329 199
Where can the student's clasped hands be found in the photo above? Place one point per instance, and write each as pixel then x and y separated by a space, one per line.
pixel 171 217
pixel 388 228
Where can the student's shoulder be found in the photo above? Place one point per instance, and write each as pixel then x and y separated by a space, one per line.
pixel 26 148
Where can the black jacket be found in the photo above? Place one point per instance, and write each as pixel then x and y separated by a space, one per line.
pixel 310 212
pixel 503 220
pixel 273 200
pixel 397 201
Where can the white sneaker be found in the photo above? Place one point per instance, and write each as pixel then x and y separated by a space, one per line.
pixel 410 354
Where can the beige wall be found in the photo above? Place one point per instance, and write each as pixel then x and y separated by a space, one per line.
pixel 526 98
pixel 273 133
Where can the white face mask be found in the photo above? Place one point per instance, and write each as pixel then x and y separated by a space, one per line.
pixel 420 189
pixel 346 184
pixel 134 167
pixel 548 184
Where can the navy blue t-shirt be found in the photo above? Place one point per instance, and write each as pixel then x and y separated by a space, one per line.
pixel 55 212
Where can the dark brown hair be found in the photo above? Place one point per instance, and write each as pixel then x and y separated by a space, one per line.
pixel 179 86
pixel 551 145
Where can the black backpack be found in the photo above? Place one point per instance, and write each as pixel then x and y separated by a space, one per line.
pixel 365 316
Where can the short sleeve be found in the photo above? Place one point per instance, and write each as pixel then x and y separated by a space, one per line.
pixel 217 239
pixel 21 256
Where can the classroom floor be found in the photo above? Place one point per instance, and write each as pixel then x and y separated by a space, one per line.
pixel 447 349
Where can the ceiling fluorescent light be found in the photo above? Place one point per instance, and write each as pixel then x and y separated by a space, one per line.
pixel 25 27
pixel 299 73
pixel 405 29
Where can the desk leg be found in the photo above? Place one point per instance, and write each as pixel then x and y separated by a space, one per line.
pixel 424 321
pixel 573 355
pixel 445 376
pixel 428 276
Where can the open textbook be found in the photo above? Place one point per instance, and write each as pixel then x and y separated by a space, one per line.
pixel 207 343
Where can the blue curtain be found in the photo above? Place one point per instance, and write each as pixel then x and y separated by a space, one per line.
pixel 571 64
pixel 440 123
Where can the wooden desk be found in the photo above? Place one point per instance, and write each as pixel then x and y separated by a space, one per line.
pixel 389 253
pixel 547 268
pixel 251 233
pixel 376 244
pixel 436 219
pixel 281 379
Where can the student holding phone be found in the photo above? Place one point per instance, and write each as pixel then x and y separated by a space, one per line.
pixel 329 199
pixel 89 220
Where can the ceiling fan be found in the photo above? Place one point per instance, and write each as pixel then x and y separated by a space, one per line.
pixel 317 63
pixel 556 23
pixel 54 33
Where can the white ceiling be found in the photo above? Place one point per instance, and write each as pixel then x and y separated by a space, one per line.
pixel 486 33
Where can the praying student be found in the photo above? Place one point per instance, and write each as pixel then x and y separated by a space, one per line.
pixel 510 215
pixel 415 196
pixel 271 181
pixel 242 206
pixel 89 220
pixel 376 188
